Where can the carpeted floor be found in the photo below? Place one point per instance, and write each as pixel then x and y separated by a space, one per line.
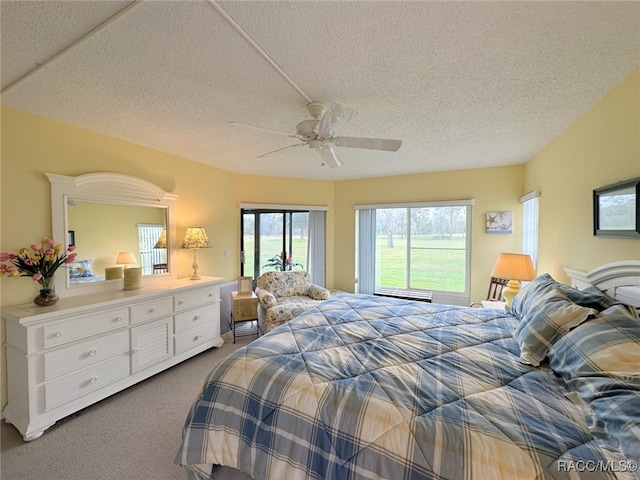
pixel 133 435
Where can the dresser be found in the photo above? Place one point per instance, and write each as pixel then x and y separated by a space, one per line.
pixel 63 358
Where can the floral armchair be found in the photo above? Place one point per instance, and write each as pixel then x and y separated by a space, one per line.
pixel 285 295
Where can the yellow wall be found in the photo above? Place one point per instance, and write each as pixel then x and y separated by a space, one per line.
pixel 602 147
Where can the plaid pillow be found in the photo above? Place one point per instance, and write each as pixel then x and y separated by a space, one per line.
pixel 600 360
pixel 529 297
pixel 541 327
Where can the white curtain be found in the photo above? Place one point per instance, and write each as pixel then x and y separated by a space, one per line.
pixel 366 251
pixel 530 214
pixel 316 250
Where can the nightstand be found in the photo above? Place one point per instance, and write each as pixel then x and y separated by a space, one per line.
pixel 244 309
pixel 494 305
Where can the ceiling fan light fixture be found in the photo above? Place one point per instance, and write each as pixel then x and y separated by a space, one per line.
pixel 306 129
pixel 318 133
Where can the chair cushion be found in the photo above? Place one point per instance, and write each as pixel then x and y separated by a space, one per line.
pixel 285 284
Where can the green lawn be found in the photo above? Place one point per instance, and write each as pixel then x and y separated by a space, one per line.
pixel 270 246
pixel 437 264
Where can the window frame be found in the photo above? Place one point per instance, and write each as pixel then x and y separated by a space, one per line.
pixel 439 296
pixel 314 262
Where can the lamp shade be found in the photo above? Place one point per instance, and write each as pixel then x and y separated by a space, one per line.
pixel 514 266
pixel 125 258
pixel 162 240
pixel 195 237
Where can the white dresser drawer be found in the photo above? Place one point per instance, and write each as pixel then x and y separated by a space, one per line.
pixel 150 310
pixel 83 354
pixel 194 337
pixel 86 381
pixel 193 318
pixel 85 326
pixel 184 301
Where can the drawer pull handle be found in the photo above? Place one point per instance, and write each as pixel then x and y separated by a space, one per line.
pixel 198 337
pixel 93 380
pixel 59 333
pixel 93 352
pixel 180 302
pixel 118 318
pixel 153 310
pixel 197 317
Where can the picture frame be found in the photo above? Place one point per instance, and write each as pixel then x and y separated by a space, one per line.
pixel 499 222
pixel 245 285
pixel 71 238
pixel 616 210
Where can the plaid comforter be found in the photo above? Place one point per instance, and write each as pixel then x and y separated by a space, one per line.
pixel 365 387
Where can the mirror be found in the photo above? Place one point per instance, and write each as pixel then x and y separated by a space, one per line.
pixel 616 210
pixel 105 214
pixel 121 228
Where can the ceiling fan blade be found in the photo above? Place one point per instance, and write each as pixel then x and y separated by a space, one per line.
pixel 370 143
pixel 281 150
pixel 265 129
pixel 329 156
pixel 335 117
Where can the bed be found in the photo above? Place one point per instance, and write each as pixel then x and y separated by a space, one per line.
pixel 364 387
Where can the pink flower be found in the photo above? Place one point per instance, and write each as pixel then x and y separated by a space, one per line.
pixel 28 261
pixel 36 277
pixel 7 256
pixel 49 251
pixel 35 247
pixel 71 248
pixel 48 240
pixel 71 258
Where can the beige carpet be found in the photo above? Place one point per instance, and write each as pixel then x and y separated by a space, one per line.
pixel 133 435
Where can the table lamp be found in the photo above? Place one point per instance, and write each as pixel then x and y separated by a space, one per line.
pixel 195 238
pixel 513 267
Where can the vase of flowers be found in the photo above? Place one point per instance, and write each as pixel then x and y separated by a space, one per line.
pixel 40 261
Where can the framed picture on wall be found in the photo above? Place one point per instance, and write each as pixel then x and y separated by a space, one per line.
pixel 616 210
pixel 71 238
pixel 245 285
pixel 499 222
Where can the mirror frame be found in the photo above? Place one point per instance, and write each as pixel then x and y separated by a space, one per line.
pixel 114 189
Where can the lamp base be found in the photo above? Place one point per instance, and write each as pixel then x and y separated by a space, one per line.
pixel 195 266
pixel 510 291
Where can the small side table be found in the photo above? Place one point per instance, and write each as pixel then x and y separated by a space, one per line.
pixel 244 309
pixel 494 305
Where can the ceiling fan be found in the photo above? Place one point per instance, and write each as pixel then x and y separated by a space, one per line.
pixel 318 133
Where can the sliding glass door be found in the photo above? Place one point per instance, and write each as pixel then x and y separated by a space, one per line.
pixel 273 240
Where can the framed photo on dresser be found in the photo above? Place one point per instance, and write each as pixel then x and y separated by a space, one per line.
pixel 245 285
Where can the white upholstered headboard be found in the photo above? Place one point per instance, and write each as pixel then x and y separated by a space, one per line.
pixel 620 280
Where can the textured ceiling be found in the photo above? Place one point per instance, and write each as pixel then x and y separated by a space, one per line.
pixel 462 84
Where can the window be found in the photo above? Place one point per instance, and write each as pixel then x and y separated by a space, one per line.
pixel 416 247
pixel 530 212
pixel 282 239
pixel 148 236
